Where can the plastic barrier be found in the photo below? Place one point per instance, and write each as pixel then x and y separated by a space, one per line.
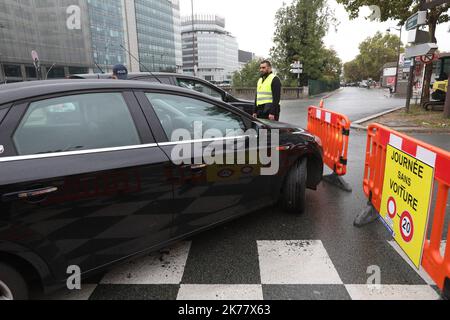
pixel 379 137
pixel 334 131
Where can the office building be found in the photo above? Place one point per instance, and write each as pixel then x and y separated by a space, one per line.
pixel 209 51
pixel 150 30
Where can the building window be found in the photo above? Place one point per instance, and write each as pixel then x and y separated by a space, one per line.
pixel 77 70
pixel 12 70
pixel 30 72
pixel 56 73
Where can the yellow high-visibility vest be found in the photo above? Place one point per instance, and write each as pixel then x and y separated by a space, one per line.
pixel 264 94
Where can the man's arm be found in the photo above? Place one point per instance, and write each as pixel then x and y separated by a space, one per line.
pixel 276 92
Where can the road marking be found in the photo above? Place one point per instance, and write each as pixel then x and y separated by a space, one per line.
pixel 220 292
pixel 392 292
pixel 154 269
pixel 296 262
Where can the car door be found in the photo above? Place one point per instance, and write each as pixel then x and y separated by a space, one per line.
pixel 82 180
pixel 205 192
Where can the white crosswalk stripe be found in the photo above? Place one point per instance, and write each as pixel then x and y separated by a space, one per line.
pixel 295 265
pixel 296 262
pixel 165 268
pixel 220 292
pixel 392 292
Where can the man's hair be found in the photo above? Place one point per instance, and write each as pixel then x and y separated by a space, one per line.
pixel 266 62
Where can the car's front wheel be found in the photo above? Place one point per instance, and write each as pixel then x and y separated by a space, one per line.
pixel 12 284
pixel 294 191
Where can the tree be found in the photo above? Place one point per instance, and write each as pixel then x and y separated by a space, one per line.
pixel 401 10
pixel 331 68
pixel 353 72
pixel 377 51
pixel 300 29
pixel 248 76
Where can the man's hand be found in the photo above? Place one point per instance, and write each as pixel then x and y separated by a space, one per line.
pixel 271 117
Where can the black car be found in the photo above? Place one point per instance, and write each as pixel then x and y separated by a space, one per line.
pixel 181 80
pixel 87 177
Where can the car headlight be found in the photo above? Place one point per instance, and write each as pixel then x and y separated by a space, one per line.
pixel 318 140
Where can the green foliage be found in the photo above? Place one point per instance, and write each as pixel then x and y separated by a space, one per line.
pixel 248 76
pixel 353 72
pixel 399 10
pixel 375 52
pixel 300 29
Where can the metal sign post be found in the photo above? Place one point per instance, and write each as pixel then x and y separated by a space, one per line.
pixel 297 68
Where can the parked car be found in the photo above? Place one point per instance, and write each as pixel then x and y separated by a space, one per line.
pixel 184 81
pixel 87 178
pixel 364 84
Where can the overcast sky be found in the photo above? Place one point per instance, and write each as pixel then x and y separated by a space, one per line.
pixel 253 23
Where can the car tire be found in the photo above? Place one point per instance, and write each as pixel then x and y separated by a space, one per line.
pixel 12 285
pixel 294 191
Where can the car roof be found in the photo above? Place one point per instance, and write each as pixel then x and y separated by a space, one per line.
pixel 131 75
pixel 25 90
pixel 134 75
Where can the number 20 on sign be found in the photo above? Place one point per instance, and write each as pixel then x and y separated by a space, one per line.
pixel 405 204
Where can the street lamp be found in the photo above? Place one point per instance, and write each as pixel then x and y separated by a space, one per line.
pixel 398 55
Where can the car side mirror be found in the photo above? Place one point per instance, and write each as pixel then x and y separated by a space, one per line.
pixel 227 97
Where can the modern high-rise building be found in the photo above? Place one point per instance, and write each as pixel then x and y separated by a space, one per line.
pixel 149 29
pixel 41 26
pixel 106 25
pixel 209 51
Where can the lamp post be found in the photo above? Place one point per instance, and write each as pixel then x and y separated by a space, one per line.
pixel 398 55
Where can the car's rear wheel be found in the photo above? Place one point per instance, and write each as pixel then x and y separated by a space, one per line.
pixel 12 284
pixel 294 191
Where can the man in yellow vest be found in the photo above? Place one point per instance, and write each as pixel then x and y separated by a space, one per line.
pixel 268 95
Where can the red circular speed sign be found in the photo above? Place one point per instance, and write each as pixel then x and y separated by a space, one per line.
pixel 406 226
pixel 392 208
pixel 427 59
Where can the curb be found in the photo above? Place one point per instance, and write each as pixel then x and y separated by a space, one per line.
pixel 377 115
pixel 332 93
pixel 327 95
pixel 357 124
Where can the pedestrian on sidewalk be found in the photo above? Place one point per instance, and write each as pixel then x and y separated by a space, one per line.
pixel 268 95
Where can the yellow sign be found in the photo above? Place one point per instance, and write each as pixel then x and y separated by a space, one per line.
pixel 405 204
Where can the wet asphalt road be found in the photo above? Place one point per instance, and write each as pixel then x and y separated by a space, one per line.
pixel 356 103
pixel 228 255
pixel 329 216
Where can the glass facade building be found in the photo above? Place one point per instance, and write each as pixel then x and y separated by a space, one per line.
pixel 156 34
pixel 149 29
pixel 209 49
pixel 107 32
pixel 41 25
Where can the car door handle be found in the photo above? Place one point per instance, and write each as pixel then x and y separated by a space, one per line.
pixel 198 166
pixel 28 194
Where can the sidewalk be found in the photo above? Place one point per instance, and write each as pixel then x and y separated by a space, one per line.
pixel 418 120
